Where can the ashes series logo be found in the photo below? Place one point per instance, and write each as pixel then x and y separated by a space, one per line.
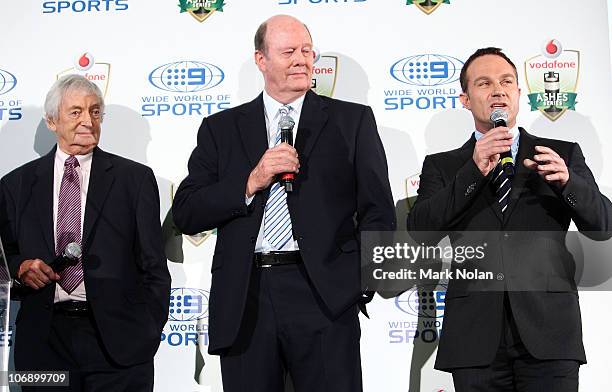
pixel 552 79
pixel 427 6
pixel 201 9
pixel 324 74
pixel 85 65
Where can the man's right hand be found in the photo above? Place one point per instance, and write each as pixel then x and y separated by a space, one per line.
pixel 36 274
pixel 276 160
pixel 489 147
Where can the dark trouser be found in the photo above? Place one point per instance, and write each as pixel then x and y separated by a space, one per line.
pixel 74 345
pixel 515 370
pixel 286 329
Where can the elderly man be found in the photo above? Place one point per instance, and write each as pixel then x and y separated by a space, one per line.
pixel 101 318
pixel 524 332
pixel 286 270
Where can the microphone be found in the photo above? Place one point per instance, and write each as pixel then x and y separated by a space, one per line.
pixel 70 256
pixel 286 125
pixel 499 118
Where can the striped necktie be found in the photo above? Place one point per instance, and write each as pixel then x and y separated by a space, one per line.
pixel 69 222
pixel 502 184
pixel 277 222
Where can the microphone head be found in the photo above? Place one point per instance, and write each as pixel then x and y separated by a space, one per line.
pixel 499 115
pixel 286 122
pixel 73 251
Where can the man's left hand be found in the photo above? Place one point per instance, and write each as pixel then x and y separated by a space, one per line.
pixel 549 165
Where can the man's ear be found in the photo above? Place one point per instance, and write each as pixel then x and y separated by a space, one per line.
pixel 260 60
pixel 465 100
pixel 51 124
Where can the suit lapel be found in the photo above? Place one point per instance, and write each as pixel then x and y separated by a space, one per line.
pixel 42 194
pixel 100 182
pixel 252 129
pixel 312 120
pixel 526 149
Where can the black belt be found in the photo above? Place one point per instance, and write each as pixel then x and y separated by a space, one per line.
pixel 274 259
pixel 72 308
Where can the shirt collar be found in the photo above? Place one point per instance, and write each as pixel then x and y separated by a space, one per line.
pixel 61 156
pixel 514 130
pixel 272 106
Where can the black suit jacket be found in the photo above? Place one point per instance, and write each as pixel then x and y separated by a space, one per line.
pixel 125 271
pixel 539 270
pixel 342 189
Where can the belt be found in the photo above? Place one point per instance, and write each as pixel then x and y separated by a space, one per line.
pixel 273 259
pixel 72 308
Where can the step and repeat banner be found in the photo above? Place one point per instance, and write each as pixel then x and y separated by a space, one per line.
pixel 164 65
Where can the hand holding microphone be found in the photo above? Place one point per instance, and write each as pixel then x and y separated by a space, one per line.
pixel 495 144
pixel 36 274
pixel 281 160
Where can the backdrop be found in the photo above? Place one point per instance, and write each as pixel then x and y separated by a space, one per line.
pixel 164 65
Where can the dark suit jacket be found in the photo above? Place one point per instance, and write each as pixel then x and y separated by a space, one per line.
pixel 342 189
pixel 125 270
pixel 539 271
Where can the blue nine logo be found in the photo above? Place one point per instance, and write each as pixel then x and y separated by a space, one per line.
pixel 9 108
pixel 429 78
pixel 428 305
pixel 187 79
pixel 52 7
pixel 186 76
pixel 186 321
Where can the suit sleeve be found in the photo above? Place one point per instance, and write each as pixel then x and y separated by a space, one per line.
pixel 150 247
pixel 8 228
pixel 589 209
pixel 375 208
pixel 441 202
pixel 204 200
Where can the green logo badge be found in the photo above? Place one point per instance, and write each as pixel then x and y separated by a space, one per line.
pixel 201 9
pixel 552 79
pixel 427 6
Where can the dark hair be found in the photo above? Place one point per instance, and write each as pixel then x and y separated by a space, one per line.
pixel 260 37
pixel 479 53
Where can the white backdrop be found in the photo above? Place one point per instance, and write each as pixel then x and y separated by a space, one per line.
pixel 370 49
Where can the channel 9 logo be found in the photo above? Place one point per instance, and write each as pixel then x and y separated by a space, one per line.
pixel 188 304
pixel 424 301
pixel 186 76
pixel 8 81
pixel 427 70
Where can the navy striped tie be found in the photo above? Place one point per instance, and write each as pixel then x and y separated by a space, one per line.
pixel 277 222
pixel 502 184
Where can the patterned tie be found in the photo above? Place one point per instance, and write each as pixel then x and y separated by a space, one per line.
pixel 69 223
pixel 502 184
pixel 277 222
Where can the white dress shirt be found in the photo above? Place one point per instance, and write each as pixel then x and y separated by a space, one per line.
pixel 83 170
pixel 271 111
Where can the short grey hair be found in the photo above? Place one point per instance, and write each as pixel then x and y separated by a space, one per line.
pixel 72 82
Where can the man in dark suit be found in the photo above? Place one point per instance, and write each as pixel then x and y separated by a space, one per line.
pixel 525 333
pixel 102 318
pixel 286 269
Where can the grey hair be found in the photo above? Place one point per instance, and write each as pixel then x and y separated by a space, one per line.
pixel 67 83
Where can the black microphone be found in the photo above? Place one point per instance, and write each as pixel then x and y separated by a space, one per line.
pixel 70 256
pixel 499 118
pixel 286 125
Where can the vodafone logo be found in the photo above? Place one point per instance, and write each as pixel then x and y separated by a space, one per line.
pixel 551 48
pixel 85 62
